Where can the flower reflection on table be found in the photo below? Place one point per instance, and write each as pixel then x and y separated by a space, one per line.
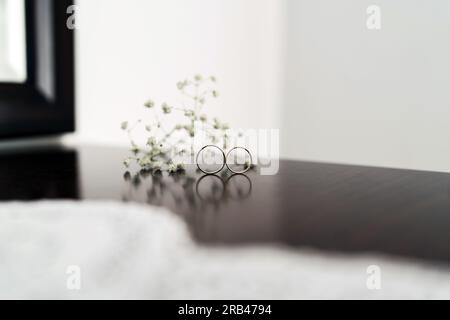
pixel 199 199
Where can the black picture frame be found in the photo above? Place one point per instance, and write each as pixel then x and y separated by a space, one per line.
pixel 45 103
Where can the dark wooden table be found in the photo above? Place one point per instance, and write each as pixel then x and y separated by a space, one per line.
pixel 337 208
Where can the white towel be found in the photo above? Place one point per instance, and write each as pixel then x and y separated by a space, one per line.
pixel 107 250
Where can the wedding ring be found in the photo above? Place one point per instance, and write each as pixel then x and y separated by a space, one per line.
pixel 214 162
pixel 242 159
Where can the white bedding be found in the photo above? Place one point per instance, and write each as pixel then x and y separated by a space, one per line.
pixel 134 252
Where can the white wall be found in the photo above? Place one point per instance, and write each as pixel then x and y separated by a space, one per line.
pixel 368 97
pixel 129 51
pixel 338 91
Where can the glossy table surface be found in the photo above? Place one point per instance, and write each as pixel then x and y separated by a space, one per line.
pixel 336 208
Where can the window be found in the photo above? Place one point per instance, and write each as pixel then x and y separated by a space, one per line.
pixel 12 41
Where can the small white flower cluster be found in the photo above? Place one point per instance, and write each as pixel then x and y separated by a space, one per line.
pixel 164 147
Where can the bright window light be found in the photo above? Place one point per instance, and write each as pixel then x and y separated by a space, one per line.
pixel 13 66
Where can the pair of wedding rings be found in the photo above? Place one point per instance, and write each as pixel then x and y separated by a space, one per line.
pixel 211 160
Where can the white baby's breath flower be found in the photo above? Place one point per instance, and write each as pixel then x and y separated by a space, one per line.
pixel 166 108
pixel 149 104
pixel 135 148
pixel 189 113
pixel 151 141
pixel 127 162
pixel 172 168
pixel 181 85
pixel 157 166
pixel 149 157
pixel 145 161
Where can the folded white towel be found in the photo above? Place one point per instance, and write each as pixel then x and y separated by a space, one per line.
pixel 125 251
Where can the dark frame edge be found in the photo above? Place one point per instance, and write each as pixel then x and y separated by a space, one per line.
pixel 24 110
